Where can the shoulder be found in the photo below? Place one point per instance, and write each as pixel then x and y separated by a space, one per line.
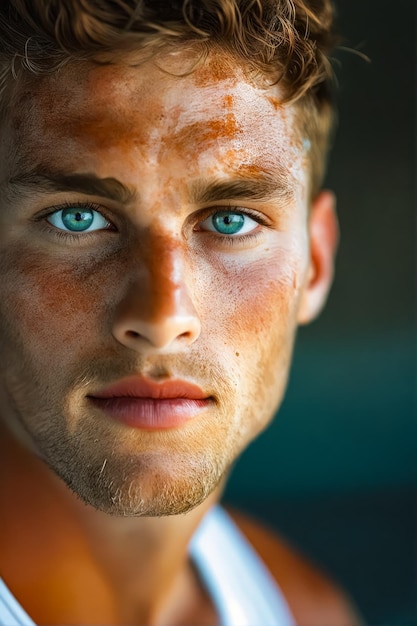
pixel 313 599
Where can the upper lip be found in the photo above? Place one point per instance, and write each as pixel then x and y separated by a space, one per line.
pixel 140 387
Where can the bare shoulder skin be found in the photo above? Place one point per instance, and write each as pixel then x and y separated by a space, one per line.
pixel 313 599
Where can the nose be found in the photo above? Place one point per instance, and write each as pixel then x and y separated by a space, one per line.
pixel 156 312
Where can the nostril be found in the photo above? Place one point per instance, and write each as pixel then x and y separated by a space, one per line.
pixel 137 334
pixel 133 334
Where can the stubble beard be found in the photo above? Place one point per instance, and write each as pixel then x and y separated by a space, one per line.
pixel 143 487
pixel 154 481
pixel 119 477
pixel 132 474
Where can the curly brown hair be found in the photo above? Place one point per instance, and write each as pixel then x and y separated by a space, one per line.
pixel 284 41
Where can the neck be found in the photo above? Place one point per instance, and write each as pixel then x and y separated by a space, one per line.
pixel 113 569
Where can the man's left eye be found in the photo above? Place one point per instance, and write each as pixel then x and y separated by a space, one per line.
pixel 78 219
pixel 229 223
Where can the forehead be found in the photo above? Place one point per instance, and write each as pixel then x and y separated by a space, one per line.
pixel 96 117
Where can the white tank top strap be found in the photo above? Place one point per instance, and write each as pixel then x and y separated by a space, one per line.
pixel 11 613
pixel 242 589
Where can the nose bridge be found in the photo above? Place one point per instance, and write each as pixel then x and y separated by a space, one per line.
pixel 164 266
pixel 157 310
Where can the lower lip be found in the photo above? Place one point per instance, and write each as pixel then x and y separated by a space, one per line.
pixel 151 413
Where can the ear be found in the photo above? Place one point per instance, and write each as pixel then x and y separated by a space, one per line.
pixel 323 236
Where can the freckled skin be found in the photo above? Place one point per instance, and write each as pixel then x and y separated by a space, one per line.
pixel 65 306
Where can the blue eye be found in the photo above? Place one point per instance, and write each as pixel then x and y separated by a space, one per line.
pixel 78 219
pixel 229 223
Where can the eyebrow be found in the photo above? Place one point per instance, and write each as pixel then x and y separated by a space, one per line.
pixel 41 180
pixel 250 184
pixel 262 186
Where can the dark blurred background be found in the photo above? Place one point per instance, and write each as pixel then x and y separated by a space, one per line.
pixel 336 474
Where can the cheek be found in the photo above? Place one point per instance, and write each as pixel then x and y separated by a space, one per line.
pixel 259 297
pixel 251 323
pixel 49 306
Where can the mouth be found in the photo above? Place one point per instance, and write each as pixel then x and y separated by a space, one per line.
pixel 141 403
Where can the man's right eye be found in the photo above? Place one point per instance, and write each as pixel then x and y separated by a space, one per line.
pixel 78 219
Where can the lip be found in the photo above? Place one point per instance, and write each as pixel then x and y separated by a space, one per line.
pixel 141 403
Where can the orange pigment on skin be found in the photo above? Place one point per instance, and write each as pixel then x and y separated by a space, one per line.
pixel 276 103
pixel 228 101
pixel 188 140
pixel 216 68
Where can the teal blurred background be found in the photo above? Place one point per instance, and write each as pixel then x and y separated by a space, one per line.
pixel 336 473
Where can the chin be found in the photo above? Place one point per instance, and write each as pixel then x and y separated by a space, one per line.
pixel 147 487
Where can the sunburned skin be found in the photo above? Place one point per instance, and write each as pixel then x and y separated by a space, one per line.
pixel 155 294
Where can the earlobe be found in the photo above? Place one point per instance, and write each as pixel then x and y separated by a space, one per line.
pixel 323 237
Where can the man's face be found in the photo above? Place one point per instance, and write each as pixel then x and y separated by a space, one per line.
pixel 193 271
